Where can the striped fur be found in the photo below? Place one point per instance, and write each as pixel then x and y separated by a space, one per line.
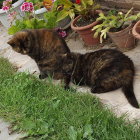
pixel 104 70
pixel 42 45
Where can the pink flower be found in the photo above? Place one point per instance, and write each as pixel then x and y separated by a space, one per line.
pixel 63 34
pixel 5 8
pixel 27 7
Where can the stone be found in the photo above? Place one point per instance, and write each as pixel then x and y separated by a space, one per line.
pixel 125 4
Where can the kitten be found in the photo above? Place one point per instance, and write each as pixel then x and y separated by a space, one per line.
pixel 42 45
pixel 104 70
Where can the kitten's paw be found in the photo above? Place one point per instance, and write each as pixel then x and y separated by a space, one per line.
pixel 42 76
pixel 70 89
pixel 94 90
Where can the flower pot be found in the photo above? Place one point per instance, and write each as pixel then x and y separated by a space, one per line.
pixel 64 23
pixel 86 32
pixel 123 39
pixel 4 15
pixel 136 30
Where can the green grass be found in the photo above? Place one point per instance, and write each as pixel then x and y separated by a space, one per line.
pixel 48 112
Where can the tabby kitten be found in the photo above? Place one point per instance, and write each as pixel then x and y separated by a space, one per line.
pixel 42 45
pixel 103 70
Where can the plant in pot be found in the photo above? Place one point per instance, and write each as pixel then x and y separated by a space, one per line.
pixel 10 7
pixel 30 21
pixel 86 19
pixel 119 28
pixel 136 30
pixel 87 13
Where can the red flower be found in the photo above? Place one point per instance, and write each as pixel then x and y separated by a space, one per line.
pixel 78 1
pixel 27 7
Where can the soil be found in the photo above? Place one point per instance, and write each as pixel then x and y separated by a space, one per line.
pixel 84 22
pixel 118 29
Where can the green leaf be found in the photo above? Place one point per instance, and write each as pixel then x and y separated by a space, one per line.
pixel 90 2
pixel 71 14
pixel 126 15
pixel 61 15
pixel 72 133
pixel 97 26
pixel 96 34
pixel 84 4
pixel 88 132
pixel 66 3
pixel 78 7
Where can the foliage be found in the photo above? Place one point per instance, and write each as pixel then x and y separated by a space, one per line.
pixel 67 8
pixel 51 18
pixel 52 15
pixel 25 23
pixel 47 112
pixel 115 21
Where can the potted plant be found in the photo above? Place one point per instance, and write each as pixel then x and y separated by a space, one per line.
pixel 136 30
pixel 10 7
pixel 86 19
pixel 30 21
pixel 39 7
pixel 119 28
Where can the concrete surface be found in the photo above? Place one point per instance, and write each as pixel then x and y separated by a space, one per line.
pixel 114 100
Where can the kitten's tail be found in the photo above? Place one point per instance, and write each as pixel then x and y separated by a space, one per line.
pixel 129 93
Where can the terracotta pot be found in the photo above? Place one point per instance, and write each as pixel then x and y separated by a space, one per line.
pixel 123 39
pixel 86 32
pixel 136 30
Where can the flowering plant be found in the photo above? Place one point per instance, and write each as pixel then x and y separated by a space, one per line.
pixel 29 21
pixel 8 8
pixel 27 7
pixel 113 21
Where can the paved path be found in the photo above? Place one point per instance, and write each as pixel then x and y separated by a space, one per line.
pixel 114 100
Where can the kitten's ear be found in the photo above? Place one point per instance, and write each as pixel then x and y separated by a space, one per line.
pixel 22 35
